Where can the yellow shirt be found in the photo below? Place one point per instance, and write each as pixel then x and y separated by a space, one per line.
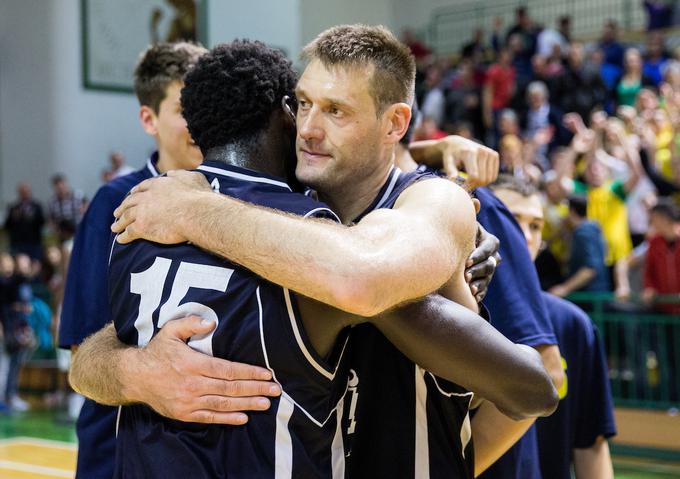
pixel 607 206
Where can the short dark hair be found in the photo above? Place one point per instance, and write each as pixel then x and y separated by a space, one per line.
pixel 579 205
pixel 667 208
pixel 58 178
pixel 512 183
pixel 159 66
pixel 393 79
pixel 233 90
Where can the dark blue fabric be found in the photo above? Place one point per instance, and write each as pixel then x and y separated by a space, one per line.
pixel 86 310
pixel 256 324
pixel 517 310
pixel 587 410
pixel 588 250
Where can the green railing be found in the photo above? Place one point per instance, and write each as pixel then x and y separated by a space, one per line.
pixel 453 25
pixel 643 349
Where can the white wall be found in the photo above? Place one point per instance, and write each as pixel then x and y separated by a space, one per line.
pixel 318 15
pixel 48 122
pixel 274 22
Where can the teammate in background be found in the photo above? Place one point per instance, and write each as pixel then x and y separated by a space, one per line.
pixel 345 144
pixel 517 310
pixel 577 432
pixel 158 81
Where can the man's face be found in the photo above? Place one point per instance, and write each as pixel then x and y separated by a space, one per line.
pixel 596 173
pixel 339 136
pixel 528 212
pixel 663 226
pixel 175 145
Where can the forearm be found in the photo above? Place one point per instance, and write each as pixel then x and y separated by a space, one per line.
pixel 594 461
pixel 458 345
pixel 494 433
pixel 354 269
pixel 582 277
pixel 96 367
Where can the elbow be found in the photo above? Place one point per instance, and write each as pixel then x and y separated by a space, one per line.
pixel 536 396
pixel 360 297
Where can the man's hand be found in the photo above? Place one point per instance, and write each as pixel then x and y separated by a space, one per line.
pixel 479 162
pixel 156 208
pixel 482 263
pixel 189 386
pixel 559 290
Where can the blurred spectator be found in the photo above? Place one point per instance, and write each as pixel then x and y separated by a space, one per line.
pixel 587 270
pixel 655 57
pixel 543 118
pixel 632 80
pixel 428 130
pixel 609 72
pixel 476 49
pixel 550 40
pixel 671 75
pixel 66 206
pixel 609 43
pixel 434 102
pixel 464 100
pixel 118 166
pixel 578 89
pixel 526 32
pixel 659 14
pixel 24 223
pixel 498 90
pixel 419 50
pixel 662 264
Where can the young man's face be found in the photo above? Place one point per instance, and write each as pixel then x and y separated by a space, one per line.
pixel 176 148
pixel 528 212
pixel 339 135
pixel 663 226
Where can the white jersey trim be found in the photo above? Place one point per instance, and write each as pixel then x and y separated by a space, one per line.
pixel 395 172
pixel 436 383
pixel 330 375
pixel 266 360
pixel 338 447
pixel 283 448
pixel 152 168
pixel 327 210
pixel 422 450
pixel 244 177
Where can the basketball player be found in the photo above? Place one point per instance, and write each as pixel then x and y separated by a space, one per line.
pixel 576 433
pixel 307 411
pixel 158 79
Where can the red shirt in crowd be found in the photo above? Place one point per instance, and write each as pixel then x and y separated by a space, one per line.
pixel 662 269
pixel 502 81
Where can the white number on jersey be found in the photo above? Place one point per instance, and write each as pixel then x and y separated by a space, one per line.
pixel 149 285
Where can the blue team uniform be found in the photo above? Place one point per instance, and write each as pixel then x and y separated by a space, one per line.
pixel 586 411
pixel 517 310
pixel 86 310
pixel 258 323
pixel 400 420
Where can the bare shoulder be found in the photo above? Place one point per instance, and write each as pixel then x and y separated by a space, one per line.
pixel 437 196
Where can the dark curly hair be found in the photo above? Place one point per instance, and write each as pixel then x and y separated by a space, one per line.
pixel 231 93
pixel 161 64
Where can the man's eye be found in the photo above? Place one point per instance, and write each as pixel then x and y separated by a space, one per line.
pixel 303 104
pixel 335 111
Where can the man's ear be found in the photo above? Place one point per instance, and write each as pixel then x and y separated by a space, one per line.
pixel 149 120
pixel 398 117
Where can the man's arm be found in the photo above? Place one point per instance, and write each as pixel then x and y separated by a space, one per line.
pixel 454 343
pixel 202 388
pixel 594 461
pixel 579 279
pixel 391 256
pixel 494 434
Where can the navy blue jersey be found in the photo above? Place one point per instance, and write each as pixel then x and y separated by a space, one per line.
pixel 517 310
pixel 257 323
pixel 587 410
pixel 400 420
pixel 86 310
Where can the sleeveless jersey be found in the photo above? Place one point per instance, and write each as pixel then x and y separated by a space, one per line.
pixel 400 420
pixel 257 323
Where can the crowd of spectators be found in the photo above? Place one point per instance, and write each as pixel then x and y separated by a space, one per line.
pixel 594 126
pixel 32 274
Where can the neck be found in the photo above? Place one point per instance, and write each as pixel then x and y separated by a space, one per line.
pixel 352 199
pixel 253 155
